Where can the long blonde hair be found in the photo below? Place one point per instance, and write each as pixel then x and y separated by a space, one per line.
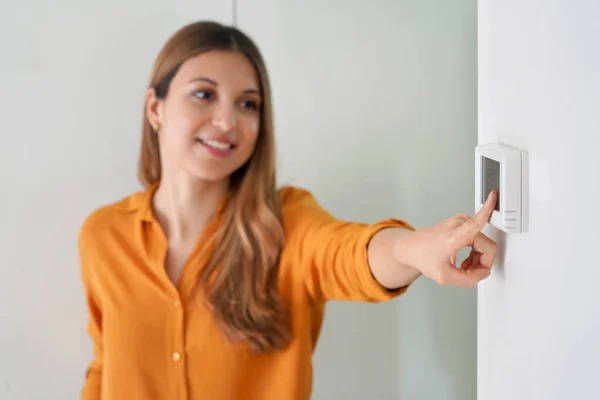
pixel 244 295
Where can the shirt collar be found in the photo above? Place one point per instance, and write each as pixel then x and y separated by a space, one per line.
pixel 144 203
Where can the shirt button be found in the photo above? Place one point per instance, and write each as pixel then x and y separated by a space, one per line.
pixel 176 303
pixel 176 356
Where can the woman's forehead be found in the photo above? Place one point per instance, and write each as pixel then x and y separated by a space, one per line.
pixel 223 67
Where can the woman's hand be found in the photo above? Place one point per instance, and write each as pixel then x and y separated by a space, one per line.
pixel 433 251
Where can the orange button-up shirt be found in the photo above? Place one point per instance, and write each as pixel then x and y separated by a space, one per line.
pixel 153 341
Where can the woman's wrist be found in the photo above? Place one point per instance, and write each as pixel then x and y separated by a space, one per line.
pixel 403 252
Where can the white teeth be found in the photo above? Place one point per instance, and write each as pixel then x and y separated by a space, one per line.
pixel 216 144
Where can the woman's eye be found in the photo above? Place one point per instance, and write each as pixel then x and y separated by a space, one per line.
pixel 202 94
pixel 250 104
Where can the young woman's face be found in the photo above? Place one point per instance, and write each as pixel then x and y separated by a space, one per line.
pixel 208 124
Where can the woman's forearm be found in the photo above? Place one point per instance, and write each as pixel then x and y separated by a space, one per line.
pixel 385 260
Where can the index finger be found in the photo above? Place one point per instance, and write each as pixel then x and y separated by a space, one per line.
pixel 477 222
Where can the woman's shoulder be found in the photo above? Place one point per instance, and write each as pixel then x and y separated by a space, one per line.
pixel 110 215
pixel 300 207
pixel 290 195
pixel 294 198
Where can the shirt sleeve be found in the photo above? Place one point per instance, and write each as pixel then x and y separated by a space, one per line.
pixel 332 254
pixel 93 375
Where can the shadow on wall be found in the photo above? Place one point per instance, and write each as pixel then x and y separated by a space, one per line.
pixel 500 238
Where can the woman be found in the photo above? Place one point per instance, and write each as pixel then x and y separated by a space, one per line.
pixel 211 283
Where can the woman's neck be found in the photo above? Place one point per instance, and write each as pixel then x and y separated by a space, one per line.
pixel 184 207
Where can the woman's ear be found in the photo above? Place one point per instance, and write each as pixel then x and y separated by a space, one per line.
pixel 153 113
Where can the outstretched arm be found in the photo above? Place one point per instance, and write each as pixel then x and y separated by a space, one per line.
pixel 399 256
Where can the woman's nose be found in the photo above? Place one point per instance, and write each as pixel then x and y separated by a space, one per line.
pixel 224 117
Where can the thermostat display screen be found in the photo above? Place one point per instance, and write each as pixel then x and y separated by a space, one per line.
pixel 490 179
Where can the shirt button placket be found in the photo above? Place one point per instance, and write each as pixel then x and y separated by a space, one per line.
pixel 179 348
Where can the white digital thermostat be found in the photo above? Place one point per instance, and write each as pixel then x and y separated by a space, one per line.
pixel 506 170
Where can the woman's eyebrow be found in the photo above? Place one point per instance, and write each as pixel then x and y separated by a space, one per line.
pixel 212 82
pixel 201 78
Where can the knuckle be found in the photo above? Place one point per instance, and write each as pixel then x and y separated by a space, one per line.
pixel 470 283
pixel 461 217
pixel 442 278
pixel 467 284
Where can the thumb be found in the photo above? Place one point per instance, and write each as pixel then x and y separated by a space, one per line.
pixel 465 278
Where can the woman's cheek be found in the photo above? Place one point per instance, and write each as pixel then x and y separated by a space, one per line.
pixel 253 127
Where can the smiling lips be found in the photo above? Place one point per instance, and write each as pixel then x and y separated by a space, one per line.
pixel 217 148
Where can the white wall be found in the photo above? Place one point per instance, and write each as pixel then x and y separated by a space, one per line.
pixel 363 93
pixel 375 106
pixel 539 319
